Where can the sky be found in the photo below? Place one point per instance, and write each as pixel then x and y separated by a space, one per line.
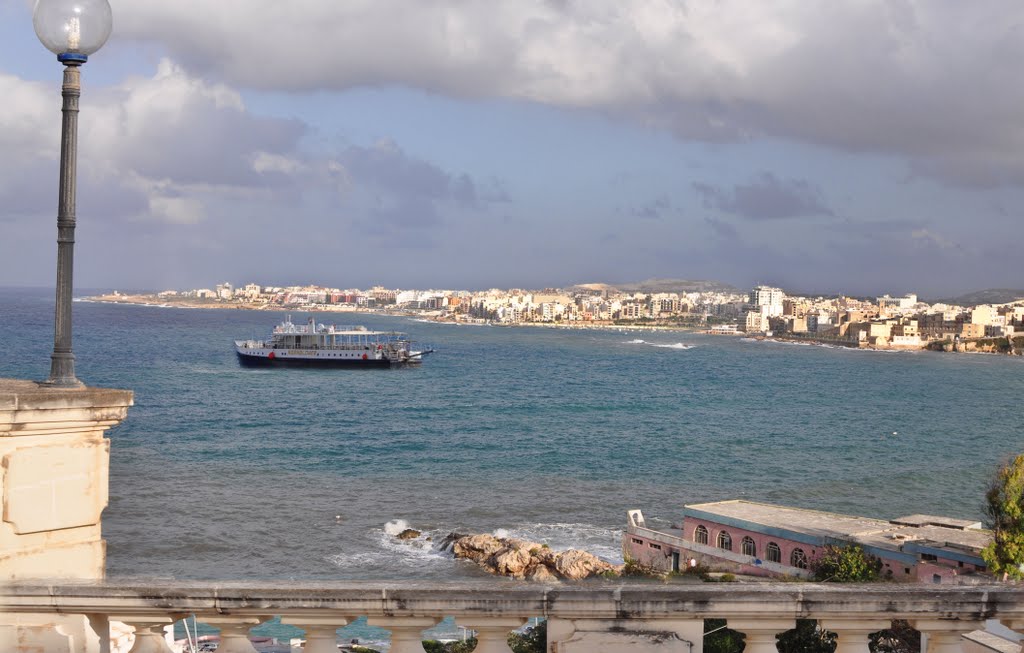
pixel 854 146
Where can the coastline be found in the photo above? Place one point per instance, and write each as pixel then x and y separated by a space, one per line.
pixel 967 347
pixel 426 316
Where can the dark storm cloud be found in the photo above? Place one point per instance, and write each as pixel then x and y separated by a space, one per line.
pixel 402 193
pixel 766 198
pixel 385 165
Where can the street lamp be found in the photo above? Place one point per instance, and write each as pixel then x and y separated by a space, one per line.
pixel 71 29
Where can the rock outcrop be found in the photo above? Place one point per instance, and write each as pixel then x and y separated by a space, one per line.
pixel 508 556
pixel 409 534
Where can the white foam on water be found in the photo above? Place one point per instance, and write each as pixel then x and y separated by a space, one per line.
pixel 637 341
pixel 677 345
pixel 395 526
pixel 391 551
pixel 501 533
pixel 355 560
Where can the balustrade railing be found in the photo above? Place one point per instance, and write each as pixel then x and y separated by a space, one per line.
pixel 606 617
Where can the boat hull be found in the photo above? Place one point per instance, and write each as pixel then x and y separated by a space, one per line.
pixel 249 360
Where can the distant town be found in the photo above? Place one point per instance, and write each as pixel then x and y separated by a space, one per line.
pixel 884 322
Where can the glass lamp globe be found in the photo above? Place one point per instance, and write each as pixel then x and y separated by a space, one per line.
pixel 72 27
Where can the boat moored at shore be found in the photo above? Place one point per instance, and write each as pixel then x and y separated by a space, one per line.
pixel 319 345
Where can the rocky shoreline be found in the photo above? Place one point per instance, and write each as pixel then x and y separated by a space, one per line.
pixel 521 559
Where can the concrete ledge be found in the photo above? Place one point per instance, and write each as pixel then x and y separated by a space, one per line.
pixel 31 408
pixel 585 601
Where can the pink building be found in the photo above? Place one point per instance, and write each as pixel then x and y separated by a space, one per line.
pixel 765 540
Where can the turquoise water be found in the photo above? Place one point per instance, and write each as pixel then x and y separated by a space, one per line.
pixel 224 472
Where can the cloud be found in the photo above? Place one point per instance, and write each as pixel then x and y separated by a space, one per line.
pixel 408 192
pixel 766 198
pixel 654 209
pixel 935 83
pixel 929 239
pixel 179 180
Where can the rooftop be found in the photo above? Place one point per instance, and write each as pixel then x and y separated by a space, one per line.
pixel 924 530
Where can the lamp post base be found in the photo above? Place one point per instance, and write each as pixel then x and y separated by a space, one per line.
pixel 62 371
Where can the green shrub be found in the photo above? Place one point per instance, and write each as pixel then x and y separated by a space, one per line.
pixel 1004 506
pixel 845 564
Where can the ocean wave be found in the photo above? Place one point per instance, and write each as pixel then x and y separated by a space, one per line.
pixel 827 345
pixel 396 526
pixel 676 345
pixel 413 553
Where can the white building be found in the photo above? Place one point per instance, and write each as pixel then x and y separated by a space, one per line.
pixel 225 290
pixel 904 303
pixel 767 300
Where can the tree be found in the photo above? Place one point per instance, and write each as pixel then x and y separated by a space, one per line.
pixel 1004 505
pixel 807 637
pixel 532 640
pixel 846 564
pixel 900 638
pixel 434 646
pixel 720 639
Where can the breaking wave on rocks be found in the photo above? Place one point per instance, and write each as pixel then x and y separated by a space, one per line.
pixel 426 553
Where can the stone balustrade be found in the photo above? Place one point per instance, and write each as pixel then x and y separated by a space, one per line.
pixel 603 617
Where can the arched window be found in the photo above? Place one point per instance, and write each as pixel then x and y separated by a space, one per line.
pixel 773 552
pixel 798 559
pixel 700 535
pixel 749 548
pixel 724 540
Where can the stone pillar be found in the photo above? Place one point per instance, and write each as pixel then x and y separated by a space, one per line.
pixel 234 632
pixel 625 635
pixel 492 632
pixel 321 632
pixel 945 635
pixel 406 632
pixel 853 633
pixel 761 633
pixel 54 464
pixel 149 632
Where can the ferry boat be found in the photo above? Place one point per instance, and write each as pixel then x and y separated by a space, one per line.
pixel 319 345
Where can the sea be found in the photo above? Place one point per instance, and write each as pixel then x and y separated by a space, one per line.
pixel 225 472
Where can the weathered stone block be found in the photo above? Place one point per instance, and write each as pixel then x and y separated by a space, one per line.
pixel 79 560
pixel 55 487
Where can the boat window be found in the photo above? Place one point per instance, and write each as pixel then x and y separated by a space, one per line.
pixel 749 548
pixel 774 552
pixel 700 535
pixel 725 540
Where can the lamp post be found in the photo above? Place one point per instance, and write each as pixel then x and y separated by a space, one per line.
pixel 73 30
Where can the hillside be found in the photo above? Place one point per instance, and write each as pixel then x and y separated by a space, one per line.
pixel 989 296
pixel 663 285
